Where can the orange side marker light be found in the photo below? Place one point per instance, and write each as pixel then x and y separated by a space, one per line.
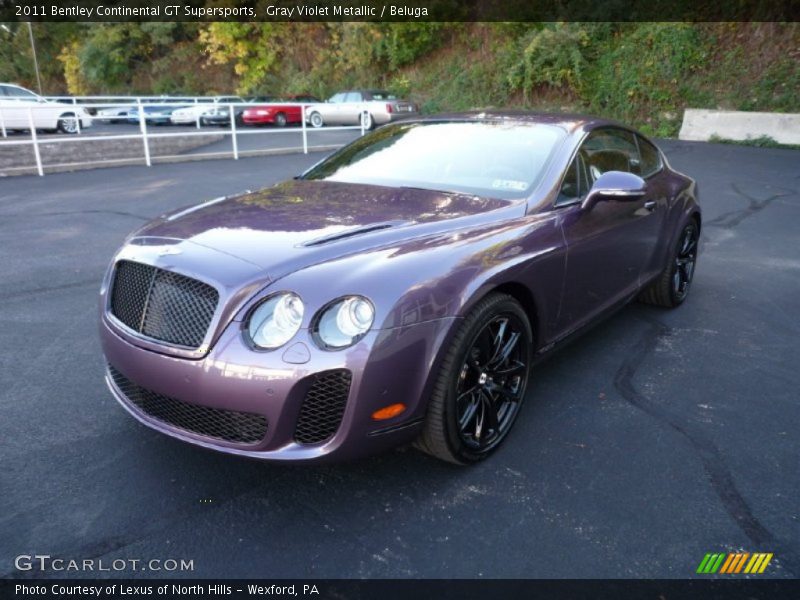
pixel 387 412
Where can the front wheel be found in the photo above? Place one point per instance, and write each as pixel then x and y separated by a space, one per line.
pixel 280 120
pixel 67 123
pixel 672 286
pixel 481 383
pixel 316 120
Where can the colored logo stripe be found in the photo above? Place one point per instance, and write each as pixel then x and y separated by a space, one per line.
pixel 710 563
pixel 758 563
pixel 734 562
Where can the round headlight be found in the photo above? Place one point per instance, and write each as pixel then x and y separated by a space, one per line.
pixel 275 321
pixel 345 322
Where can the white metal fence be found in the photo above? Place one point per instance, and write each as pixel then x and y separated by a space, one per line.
pixel 78 122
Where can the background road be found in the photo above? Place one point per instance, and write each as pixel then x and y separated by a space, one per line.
pixel 655 438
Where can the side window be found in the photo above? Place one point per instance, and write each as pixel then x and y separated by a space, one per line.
pixel 353 97
pixel 611 150
pixel 576 182
pixel 2 91
pixel 336 98
pixel 20 93
pixel 651 159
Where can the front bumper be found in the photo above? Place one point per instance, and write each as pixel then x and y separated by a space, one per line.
pixel 183 119
pixel 258 119
pixel 215 119
pixel 386 367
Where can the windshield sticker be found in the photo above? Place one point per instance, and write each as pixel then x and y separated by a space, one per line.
pixel 509 184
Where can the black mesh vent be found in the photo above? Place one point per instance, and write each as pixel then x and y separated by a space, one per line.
pixel 161 304
pixel 323 407
pixel 228 425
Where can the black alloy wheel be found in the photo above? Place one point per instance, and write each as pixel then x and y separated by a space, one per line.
pixel 672 286
pixel 491 383
pixel 684 263
pixel 481 383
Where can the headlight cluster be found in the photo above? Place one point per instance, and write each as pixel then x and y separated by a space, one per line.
pixel 337 325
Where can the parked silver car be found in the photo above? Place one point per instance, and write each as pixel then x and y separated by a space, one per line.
pixel 365 107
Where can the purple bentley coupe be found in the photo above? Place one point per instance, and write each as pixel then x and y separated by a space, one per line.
pixel 398 291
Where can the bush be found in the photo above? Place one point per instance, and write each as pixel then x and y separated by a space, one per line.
pixel 640 73
pixel 554 55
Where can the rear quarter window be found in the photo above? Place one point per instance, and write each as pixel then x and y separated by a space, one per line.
pixel 650 157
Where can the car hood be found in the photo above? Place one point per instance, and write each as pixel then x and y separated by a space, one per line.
pixel 300 223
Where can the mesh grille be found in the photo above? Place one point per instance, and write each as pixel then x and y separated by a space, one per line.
pixel 323 407
pixel 161 304
pixel 228 425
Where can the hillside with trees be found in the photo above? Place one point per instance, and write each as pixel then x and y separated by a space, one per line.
pixel 643 73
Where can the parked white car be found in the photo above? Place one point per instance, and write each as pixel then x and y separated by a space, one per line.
pixel 191 114
pixel 365 107
pixel 17 104
pixel 114 114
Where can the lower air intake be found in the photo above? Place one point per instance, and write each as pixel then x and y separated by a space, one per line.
pixel 227 425
pixel 323 407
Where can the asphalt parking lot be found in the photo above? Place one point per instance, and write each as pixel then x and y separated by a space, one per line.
pixel 655 438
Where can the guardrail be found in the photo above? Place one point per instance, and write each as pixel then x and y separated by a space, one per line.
pixel 10 118
pixel 84 100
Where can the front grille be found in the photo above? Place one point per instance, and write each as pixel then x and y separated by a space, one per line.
pixel 323 407
pixel 161 304
pixel 227 425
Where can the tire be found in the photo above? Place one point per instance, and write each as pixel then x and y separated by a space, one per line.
pixel 280 120
pixel 316 120
pixel 672 286
pixel 67 123
pixel 366 121
pixel 474 382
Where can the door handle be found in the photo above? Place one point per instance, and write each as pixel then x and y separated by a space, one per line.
pixel 650 205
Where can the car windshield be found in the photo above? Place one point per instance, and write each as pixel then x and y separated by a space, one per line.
pixel 495 159
pixel 382 96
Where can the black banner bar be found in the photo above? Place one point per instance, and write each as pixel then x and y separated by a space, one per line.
pixel 406 589
pixel 399 10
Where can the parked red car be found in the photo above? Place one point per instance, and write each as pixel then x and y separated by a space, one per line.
pixel 276 113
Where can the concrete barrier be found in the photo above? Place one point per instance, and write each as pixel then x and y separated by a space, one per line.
pixel 701 125
pixel 75 155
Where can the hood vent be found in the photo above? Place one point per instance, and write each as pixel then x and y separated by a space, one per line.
pixel 348 233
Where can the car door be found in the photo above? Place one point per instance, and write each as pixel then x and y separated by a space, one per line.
pixel 608 244
pixel 651 169
pixel 331 111
pixel 15 104
pixel 351 109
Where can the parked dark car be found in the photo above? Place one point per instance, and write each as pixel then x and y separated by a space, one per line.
pixel 154 114
pixel 278 113
pixel 396 292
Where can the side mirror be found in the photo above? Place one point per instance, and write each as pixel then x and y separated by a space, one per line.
pixel 614 185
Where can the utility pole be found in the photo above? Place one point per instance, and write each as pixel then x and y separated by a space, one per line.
pixel 35 60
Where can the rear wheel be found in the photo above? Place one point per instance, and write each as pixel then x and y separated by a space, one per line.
pixel 280 119
pixel 481 383
pixel 672 286
pixel 316 120
pixel 67 123
pixel 366 120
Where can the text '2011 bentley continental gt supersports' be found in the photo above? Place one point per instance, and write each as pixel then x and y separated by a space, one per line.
pixel 398 291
